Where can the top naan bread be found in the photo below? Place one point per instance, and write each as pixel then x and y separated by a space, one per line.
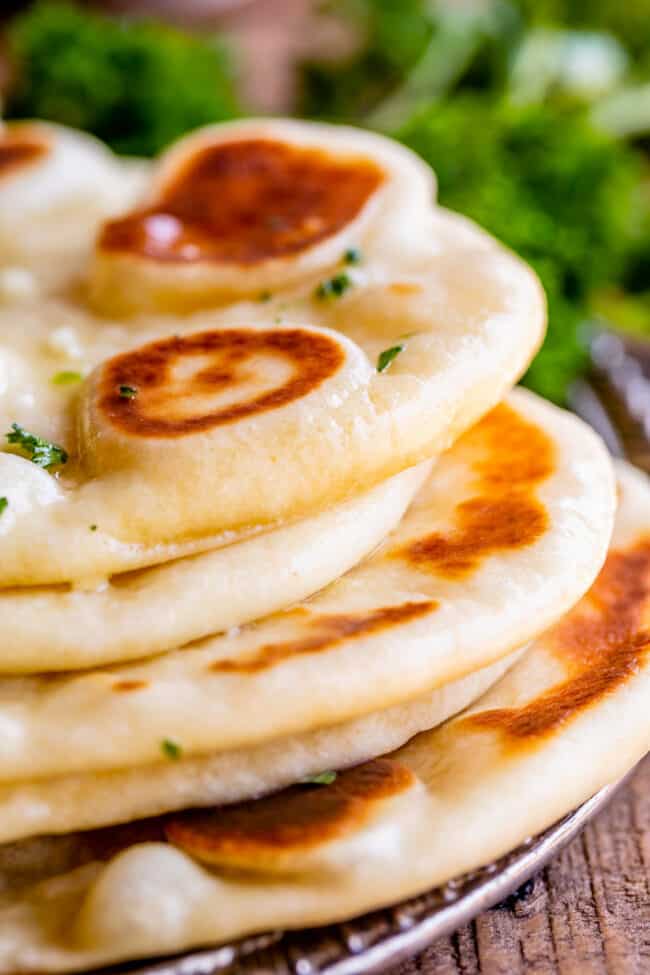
pixel 251 413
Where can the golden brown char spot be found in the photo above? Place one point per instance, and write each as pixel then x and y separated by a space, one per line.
pixel 21 147
pixel 245 202
pixel 295 820
pixel 602 643
pixel 515 456
pixel 147 371
pixel 405 288
pixel 325 633
pixel 484 526
pixel 129 685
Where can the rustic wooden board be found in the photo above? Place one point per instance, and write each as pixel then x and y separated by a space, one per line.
pixel 587 913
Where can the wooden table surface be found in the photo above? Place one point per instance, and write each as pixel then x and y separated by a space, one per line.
pixel 587 913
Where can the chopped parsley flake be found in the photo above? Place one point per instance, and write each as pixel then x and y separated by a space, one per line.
pixel 264 296
pixel 93 528
pixel 128 392
pixel 66 378
pixel 352 256
pixel 40 452
pixel 386 357
pixel 323 778
pixel 4 503
pixel 334 287
pixel 171 749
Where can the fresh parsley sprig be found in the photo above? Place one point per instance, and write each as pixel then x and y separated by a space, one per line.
pixel 323 778
pixel 171 749
pixel 66 378
pixel 334 287
pixel 385 358
pixel 41 452
pixel 352 255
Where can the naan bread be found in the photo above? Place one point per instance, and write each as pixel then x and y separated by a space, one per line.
pixel 75 802
pixel 506 535
pixel 249 415
pixel 57 186
pixel 569 718
pixel 141 613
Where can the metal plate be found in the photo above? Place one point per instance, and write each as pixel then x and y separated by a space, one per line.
pixel 386 937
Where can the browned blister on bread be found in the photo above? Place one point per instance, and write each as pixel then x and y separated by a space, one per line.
pixel 602 644
pixel 274 833
pixel 514 458
pixel 20 147
pixel 245 202
pixel 250 205
pixel 158 390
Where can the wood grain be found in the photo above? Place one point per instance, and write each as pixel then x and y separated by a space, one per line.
pixel 587 913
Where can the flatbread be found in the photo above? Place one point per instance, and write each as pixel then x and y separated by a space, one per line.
pixel 138 614
pixel 76 802
pixel 509 531
pixel 57 186
pixel 252 414
pixel 571 717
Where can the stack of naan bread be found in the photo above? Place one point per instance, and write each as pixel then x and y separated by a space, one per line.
pixel 271 519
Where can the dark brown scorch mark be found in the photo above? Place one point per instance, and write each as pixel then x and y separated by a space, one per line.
pixel 247 201
pixel 148 371
pixel 602 643
pixel 295 820
pixel 324 633
pixel 515 456
pixel 21 146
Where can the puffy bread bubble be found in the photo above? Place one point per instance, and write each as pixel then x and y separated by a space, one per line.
pixel 245 206
pixel 169 402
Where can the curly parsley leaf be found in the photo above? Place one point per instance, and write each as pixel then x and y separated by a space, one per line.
pixel 334 287
pixel 41 452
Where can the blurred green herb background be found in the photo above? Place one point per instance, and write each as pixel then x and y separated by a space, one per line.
pixel 535 116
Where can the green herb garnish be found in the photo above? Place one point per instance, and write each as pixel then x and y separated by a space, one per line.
pixel 386 357
pixel 171 749
pixel 4 503
pixel 128 392
pixel 66 378
pixel 334 287
pixel 352 255
pixel 323 778
pixel 93 528
pixel 264 296
pixel 41 452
